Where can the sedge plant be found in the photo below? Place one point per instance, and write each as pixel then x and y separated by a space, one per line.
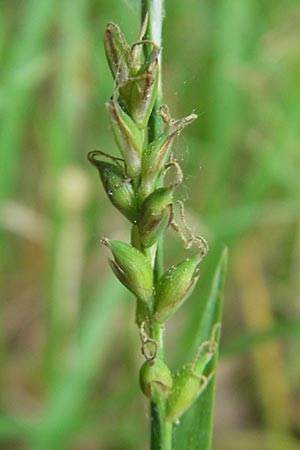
pixel 137 185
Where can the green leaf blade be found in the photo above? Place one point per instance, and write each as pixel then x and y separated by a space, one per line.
pixel 195 428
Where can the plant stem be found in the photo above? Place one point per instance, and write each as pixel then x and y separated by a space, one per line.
pixel 161 430
pixel 154 8
pixel 158 336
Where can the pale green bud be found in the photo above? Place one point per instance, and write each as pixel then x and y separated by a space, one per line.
pixel 174 288
pixel 156 155
pixel 119 190
pixel 155 216
pixel 128 137
pixel 155 379
pixel 190 381
pixel 132 268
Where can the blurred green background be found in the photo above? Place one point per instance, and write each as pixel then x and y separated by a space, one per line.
pixel 237 64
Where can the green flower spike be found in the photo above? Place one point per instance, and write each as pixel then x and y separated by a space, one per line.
pixel 119 189
pixel 156 215
pixel 190 382
pixel 156 155
pixel 128 137
pixel 174 288
pixel 132 268
pixel 155 379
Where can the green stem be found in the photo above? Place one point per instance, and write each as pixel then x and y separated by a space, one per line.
pixel 161 430
pixel 154 8
pixel 157 333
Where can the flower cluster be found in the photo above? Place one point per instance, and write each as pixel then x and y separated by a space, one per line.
pixel 135 185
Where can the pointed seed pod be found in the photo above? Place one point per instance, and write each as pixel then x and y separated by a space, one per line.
pixel 154 159
pixel 174 288
pixel 117 52
pixel 143 92
pixel 155 379
pixel 119 190
pixel 155 216
pixel 128 137
pixel 190 381
pixel 187 387
pixel 156 155
pixel 132 268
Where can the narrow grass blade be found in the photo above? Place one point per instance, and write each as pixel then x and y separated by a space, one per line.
pixel 24 50
pixel 64 127
pixel 195 429
pixel 233 37
pixel 71 390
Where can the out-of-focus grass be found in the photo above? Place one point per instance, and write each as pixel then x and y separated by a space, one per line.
pixel 70 357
